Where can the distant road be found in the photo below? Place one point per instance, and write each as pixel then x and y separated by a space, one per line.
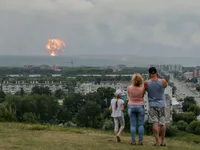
pixel 183 90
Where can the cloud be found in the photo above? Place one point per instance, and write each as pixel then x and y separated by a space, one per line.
pixel 137 27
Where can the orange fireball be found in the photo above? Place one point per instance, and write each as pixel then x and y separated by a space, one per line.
pixel 55 46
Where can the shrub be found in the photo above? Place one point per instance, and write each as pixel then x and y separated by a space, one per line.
pixel 171 131
pixel 194 127
pixel 31 117
pixel 195 108
pixel 148 128
pixel 108 125
pixel 197 130
pixel 186 116
pixel 182 125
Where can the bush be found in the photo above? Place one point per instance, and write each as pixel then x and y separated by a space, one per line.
pixel 171 131
pixel 197 130
pixel 108 125
pixel 182 125
pixel 186 116
pixel 31 117
pixel 195 108
pixel 194 127
pixel 148 128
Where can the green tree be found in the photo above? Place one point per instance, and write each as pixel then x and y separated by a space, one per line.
pixel 188 101
pixel 73 102
pixel 194 127
pixel 195 109
pixel 63 115
pixel 186 116
pixel 22 92
pixel 47 107
pixel 105 96
pixel 59 94
pixel 198 88
pixel 182 125
pixel 89 115
pixel 41 90
pixel 2 96
pixel 31 118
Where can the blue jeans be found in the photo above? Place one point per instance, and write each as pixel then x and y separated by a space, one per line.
pixel 136 114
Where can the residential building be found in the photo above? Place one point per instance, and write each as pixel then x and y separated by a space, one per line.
pixel 196 72
pixel 169 67
pixel 34 75
pixel 56 75
pixel 12 88
pixel 188 75
pixel 176 106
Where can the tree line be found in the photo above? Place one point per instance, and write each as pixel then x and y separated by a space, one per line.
pixel 187 121
pixel 91 110
pixel 69 71
pixel 42 106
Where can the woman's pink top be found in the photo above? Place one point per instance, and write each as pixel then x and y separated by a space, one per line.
pixel 136 95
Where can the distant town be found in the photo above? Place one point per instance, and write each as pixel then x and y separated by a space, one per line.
pixel 183 81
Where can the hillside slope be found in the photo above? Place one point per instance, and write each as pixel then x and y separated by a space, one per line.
pixel 39 137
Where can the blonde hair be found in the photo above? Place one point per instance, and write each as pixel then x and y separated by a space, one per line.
pixel 137 79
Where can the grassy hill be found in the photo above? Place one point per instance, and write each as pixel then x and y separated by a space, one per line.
pixel 15 136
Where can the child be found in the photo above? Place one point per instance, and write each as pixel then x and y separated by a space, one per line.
pixel 117 107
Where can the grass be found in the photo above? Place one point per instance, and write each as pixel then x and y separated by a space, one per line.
pixel 16 136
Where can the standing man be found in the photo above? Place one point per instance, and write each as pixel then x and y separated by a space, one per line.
pixel 155 88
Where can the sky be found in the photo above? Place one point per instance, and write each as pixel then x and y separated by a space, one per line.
pixel 101 27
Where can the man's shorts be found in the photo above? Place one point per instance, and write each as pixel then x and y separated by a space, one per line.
pixel 157 115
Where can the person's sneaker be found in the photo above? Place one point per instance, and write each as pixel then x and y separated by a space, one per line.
pixel 140 143
pixel 133 143
pixel 118 139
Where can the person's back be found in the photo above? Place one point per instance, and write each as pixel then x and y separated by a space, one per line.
pixel 136 95
pixel 155 88
pixel 117 106
pixel 136 108
pixel 156 94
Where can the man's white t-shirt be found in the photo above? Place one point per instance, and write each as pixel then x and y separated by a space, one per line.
pixel 117 112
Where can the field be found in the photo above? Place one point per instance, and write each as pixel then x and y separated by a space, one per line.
pixel 15 136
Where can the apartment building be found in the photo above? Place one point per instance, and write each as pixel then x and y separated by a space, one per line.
pixel 12 88
pixel 169 67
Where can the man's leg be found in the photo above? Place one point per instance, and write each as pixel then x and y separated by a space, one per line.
pixel 156 133
pixel 153 118
pixel 162 134
pixel 162 125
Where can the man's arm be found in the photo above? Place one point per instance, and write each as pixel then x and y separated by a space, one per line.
pixel 164 83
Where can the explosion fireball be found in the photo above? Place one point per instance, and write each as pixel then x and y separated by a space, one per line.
pixel 55 46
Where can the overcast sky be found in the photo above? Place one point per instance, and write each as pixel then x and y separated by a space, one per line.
pixel 128 27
